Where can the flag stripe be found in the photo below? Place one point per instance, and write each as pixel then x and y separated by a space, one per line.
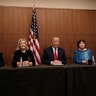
pixel 36 46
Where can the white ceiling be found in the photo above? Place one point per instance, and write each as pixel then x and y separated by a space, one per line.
pixel 70 4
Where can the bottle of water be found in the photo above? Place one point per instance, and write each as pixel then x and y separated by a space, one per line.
pixel 21 61
pixel 93 59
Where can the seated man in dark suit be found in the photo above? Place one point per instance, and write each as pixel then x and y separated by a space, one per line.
pixel 1 60
pixel 54 55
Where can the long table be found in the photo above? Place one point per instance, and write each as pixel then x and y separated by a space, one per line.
pixel 43 80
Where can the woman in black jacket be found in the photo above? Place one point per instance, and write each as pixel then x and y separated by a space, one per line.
pixel 23 56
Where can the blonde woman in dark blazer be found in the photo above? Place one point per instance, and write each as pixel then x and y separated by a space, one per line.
pixel 23 56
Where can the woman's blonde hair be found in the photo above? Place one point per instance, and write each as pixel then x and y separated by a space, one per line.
pixel 18 44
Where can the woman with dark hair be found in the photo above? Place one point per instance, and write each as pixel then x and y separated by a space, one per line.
pixel 82 55
pixel 1 60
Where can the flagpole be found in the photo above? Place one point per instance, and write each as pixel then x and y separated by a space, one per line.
pixel 34 18
pixel 34 4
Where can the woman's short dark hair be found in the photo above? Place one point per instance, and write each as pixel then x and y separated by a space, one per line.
pixel 80 42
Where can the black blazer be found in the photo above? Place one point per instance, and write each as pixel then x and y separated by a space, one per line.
pixel 1 60
pixel 48 55
pixel 25 56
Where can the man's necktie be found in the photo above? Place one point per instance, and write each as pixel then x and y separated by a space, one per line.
pixel 55 54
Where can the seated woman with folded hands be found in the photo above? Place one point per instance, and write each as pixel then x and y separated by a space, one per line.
pixel 82 55
pixel 23 56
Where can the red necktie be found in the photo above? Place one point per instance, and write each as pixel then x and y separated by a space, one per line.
pixel 55 54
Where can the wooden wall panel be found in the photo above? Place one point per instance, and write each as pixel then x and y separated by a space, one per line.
pixel 94 22
pixel 65 22
pixel 53 24
pixel 69 24
pixel 1 28
pixel 41 19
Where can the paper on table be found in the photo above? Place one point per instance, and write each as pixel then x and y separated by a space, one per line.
pixel 58 64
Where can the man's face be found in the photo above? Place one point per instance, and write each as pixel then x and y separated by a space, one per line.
pixel 55 42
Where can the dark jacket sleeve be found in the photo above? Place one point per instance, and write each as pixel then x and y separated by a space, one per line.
pixel 1 60
pixel 15 59
pixel 76 59
pixel 31 57
pixel 45 58
pixel 63 58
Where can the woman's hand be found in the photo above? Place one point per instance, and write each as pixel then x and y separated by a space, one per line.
pixel 24 63
pixel 27 63
pixel 85 61
pixel 19 64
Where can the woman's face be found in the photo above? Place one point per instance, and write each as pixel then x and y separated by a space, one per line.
pixel 82 45
pixel 23 45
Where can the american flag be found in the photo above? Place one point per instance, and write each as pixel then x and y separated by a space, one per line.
pixel 33 39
